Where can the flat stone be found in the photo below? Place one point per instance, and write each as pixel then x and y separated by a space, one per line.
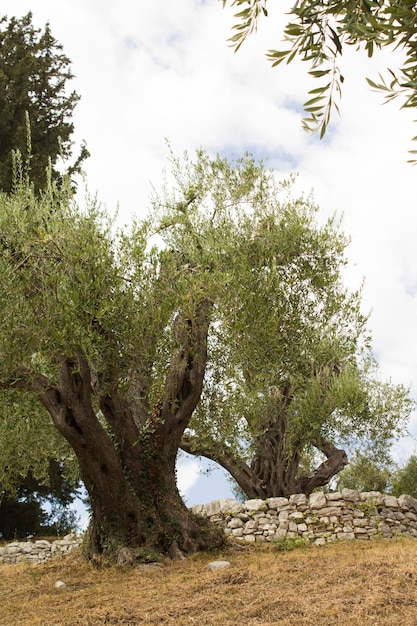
pixel 329 511
pixel 298 498
pixel 251 525
pixel 149 566
pixel 351 495
pixel 212 508
pixel 317 500
pixel 376 496
pixel 230 505
pixel 59 584
pixel 214 565
pixel 391 502
pixel 255 505
pixel 320 541
pixel 333 495
pixel 277 503
pixel 280 533
pixel 407 501
pixel 26 548
pixel 345 536
pixel 215 507
pixel 235 522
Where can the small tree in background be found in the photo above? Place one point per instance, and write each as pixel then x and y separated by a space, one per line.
pixel 34 508
pixel 34 102
pixel 404 479
pixel 33 456
pixel 375 471
pixel 367 472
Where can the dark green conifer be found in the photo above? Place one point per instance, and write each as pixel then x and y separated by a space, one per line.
pixel 34 73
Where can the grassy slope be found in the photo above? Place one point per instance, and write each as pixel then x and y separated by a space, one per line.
pixel 370 582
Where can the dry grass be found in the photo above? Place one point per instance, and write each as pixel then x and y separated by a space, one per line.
pixel 346 584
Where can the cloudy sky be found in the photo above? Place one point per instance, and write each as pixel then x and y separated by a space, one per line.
pixel 147 71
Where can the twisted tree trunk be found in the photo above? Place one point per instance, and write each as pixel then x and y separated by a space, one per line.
pixel 274 472
pixel 127 451
pixel 274 469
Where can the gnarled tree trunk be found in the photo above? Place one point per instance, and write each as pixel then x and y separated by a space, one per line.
pixel 127 450
pixel 275 470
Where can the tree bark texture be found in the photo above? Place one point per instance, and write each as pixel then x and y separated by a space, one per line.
pixel 127 450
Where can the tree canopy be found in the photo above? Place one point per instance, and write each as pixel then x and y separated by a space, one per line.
pixel 36 108
pixel 218 324
pixel 368 472
pixel 318 32
pixel 291 372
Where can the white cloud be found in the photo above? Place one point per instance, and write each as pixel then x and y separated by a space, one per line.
pixel 188 473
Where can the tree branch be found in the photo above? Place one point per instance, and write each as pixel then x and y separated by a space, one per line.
pixel 184 382
pixel 244 475
pixel 335 462
pixel 27 379
pixel 48 394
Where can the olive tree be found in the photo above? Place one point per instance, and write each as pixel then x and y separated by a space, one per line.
pixel 106 332
pixel 108 335
pixel 221 308
pixel 291 372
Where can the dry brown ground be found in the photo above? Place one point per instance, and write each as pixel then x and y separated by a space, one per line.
pixel 369 583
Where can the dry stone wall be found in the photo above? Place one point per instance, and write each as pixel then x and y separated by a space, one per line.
pixel 37 551
pixel 320 518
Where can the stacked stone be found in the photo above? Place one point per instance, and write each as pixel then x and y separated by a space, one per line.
pixel 37 551
pixel 320 518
